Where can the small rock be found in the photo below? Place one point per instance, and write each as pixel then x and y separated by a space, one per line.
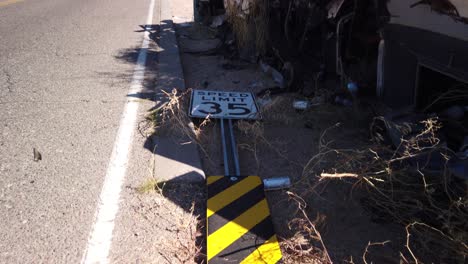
pixel 37 155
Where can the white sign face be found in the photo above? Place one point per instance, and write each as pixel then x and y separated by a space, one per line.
pixel 219 104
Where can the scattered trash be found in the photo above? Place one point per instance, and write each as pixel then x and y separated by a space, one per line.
pixel 37 155
pixel 306 104
pixel 301 104
pixel 276 75
pixel 274 184
pixel 218 21
pixel 397 127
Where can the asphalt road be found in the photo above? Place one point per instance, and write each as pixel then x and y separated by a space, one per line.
pixel 65 70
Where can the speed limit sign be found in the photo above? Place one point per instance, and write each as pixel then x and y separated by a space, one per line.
pixel 220 104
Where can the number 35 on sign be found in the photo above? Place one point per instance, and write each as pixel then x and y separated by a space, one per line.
pixel 220 104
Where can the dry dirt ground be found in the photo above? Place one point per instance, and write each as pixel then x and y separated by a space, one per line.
pixel 318 220
pixel 281 144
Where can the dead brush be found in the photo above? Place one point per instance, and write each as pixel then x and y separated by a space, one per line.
pixel 306 246
pixel 279 111
pixel 455 94
pixel 427 204
pixel 261 21
pixel 172 118
pixel 174 213
pixel 184 249
pixel 239 20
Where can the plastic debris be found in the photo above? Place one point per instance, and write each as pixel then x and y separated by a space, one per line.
pixel 306 104
pixel 276 75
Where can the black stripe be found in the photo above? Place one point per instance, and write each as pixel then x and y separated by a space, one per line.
pixel 234 209
pixel 244 246
pixel 221 185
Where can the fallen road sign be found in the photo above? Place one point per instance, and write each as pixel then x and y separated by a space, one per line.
pixel 220 104
pixel 240 229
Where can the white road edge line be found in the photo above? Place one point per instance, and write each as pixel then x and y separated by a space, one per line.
pixel 100 238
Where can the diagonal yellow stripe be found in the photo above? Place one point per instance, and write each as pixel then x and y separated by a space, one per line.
pixel 268 253
pixel 231 194
pixel 212 179
pixel 232 231
pixel 9 2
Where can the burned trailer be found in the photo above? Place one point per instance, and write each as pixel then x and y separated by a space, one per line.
pixel 423 52
pixel 404 52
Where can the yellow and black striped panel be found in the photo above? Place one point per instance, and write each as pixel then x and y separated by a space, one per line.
pixel 239 223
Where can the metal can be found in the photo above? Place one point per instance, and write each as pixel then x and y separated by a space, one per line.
pixel 301 104
pixel 277 183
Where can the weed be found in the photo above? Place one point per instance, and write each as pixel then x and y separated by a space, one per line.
pixel 151 185
pixel 300 248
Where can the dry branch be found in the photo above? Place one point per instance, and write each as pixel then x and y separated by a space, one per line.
pixel 402 190
pixel 339 175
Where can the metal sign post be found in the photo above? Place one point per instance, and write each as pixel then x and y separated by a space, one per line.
pixel 239 225
pixel 231 157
